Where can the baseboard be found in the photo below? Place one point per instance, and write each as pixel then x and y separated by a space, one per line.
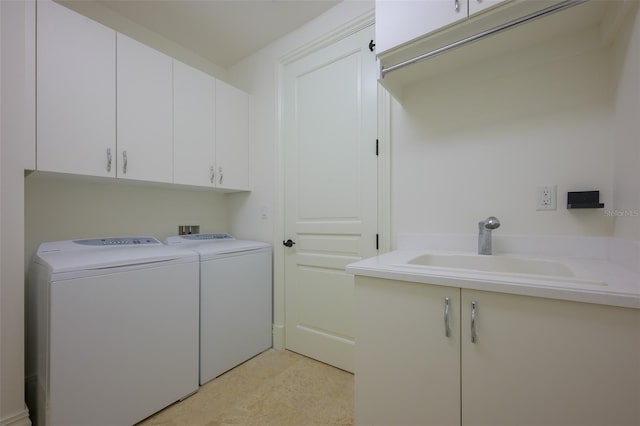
pixel 31 396
pixel 20 419
pixel 278 337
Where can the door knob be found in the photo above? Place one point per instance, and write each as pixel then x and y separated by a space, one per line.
pixel 288 243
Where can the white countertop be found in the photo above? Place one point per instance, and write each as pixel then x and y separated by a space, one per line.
pixel 596 280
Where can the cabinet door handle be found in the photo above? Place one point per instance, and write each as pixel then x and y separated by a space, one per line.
pixel 457 5
pixel 474 335
pixel 212 174
pixel 108 159
pixel 221 178
pixel 124 162
pixel 447 330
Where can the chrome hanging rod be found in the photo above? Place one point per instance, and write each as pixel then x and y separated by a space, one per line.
pixel 527 18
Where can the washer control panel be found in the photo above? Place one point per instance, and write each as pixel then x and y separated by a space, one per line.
pixel 200 237
pixel 124 241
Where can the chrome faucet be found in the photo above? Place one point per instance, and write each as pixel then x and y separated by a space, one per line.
pixel 484 237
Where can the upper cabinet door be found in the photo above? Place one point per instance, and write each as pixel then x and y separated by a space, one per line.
pixel 145 112
pixel 476 6
pixel 232 137
pixel 400 21
pixel 193 126
pixel 76 93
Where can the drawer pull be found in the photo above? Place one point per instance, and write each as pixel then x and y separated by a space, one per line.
pixel 447 330
pixel 474 335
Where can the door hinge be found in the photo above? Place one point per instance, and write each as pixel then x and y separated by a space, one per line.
pixel 377 241
pixel 372 46
pixel 377 147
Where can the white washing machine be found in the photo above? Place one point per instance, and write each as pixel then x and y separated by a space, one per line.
pixel 114 323
pixel 235 299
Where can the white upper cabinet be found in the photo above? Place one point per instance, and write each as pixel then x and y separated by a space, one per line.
pixel 211 131
pixel 400 21
pixel 110 106
pixel 144 112
pixel 232 137
pixel 76 93
pixel 193 126
pixel 476 6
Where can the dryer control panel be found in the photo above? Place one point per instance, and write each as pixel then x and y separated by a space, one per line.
pixel 117 241
pixel 200 237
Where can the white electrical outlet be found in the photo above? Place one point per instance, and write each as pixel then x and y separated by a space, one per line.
pixel 546 197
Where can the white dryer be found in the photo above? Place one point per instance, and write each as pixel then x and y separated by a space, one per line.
pixel 235 299
pixel 114 322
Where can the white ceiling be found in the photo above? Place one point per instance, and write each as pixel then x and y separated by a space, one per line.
pixel 221 31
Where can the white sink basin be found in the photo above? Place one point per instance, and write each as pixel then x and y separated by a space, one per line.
pixel 495 264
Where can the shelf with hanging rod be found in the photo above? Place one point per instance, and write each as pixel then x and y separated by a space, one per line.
pixel 499 34
pixel 484 34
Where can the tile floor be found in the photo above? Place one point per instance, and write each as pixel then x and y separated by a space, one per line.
pixel 275 388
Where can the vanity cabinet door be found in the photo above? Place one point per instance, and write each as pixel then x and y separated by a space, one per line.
pixel 407 371
pixel 549 362
pixel 76 93
pixel 144 112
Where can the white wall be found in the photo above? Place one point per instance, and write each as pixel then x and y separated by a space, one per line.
pixel 627 132
pixel 478 141
pixel 16 131
pixel 61 208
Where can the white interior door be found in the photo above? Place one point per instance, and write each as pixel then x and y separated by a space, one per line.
pixel 329 125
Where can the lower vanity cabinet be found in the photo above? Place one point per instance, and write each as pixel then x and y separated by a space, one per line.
pixel 407 371
pixel 549 362
pixel 531 361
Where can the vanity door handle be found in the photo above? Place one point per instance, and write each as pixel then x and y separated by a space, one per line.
pixel 457 5
pixel 125 162
pixel 108 159
pixel 212 175
pixel 447 330
pixel 474 335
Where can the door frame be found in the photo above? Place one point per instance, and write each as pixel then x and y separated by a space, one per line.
pixel 384 167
